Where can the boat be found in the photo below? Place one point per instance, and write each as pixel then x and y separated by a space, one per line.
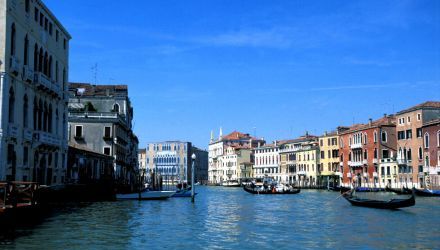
pixel 427 192
pixel 146 195
pixel 402 190
pixel 369 189
pixel 339 189
pixel 183 193
pixel 232 183
pixel 390 204
pixel 273 190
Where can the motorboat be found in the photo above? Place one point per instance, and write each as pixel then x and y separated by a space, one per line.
pixel 427 192
pixel 231 183
pixel 145 195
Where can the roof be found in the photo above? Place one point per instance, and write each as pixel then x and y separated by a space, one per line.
pixel 432 123
pixel 384 121
pixel 98 90
pixel 428 104
pixel 303 138
pixel 142 151
pixel 237 136
pixel 83 148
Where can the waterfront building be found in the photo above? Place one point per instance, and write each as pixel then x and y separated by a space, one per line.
pixel 431 154
pixel 100 119
pixel 329 166
pixel 307 162
pixel 217 149
pixel 201 165
pixel 34 62
pixel 363 146
pixel 233 161
pixel 267 161
pixel 169 159
pixel 86 166
pixel 410 141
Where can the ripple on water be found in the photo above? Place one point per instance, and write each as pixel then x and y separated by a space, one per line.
pixel 229 218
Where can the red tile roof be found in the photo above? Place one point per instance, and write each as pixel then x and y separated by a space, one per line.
pixel 384 121
pixel 99 90
pixel 237 136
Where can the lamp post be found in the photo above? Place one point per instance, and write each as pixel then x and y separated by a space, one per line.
pixel 193 157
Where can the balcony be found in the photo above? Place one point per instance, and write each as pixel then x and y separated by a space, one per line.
pixel 355 163
pixel 27 134
pixel 356 145
pixel 302 172
pixel 14 65
pixel 96 115
pixel 41 81
pixel 28 74
pixel 13 130
pixel 46 139
pixel 402 161
pixel 431 170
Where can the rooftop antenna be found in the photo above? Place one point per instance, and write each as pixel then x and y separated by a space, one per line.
pixel 94 70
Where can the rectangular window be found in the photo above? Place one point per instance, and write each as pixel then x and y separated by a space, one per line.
pixel 56 35
pixel 107 150
pixel 65 43
pixel 419 132
pixel 107 132
pixel 400 135
pixel 50 28
pixel 41 19
pixel 46 22
pixel 409 119
pixel 321 143
pixel 385 154
pixel 409 134
pixel 419 117
pixel 79 131
pixel 403 120
pixel 11 153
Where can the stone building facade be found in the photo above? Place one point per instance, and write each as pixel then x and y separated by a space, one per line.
pixel 100 119
pixel 363 148
pixel 217 149
pixel 34 63
pixel 410 141
pixel 431 154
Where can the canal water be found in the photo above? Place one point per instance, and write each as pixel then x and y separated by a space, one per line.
pixel 229 218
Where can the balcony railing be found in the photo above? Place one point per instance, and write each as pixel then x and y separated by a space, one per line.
pixel 431 170
pixel 356 145
pixel 43 82
pixel 27 134
pixel 14 65
pixel 13 130
pixel 46 138
pixel 302 172
pixel 355 163
pixel 402 161
pixel 28 74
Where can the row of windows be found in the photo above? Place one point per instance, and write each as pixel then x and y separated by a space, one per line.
pixel 79 132
pixel 166 147
pixel 408 119
pixel 330 142
pixel 45 23
pixel 43 62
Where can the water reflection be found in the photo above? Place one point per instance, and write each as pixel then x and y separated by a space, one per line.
pixel 228 218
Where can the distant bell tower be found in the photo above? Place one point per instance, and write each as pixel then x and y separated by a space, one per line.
pixel 220 136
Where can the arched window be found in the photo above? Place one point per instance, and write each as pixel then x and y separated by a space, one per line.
pixel 26 50
pixel 46 64
pixel 35 114
pixel 426 140
pixel 40 114
pixel 426 161
pixel 375 136
pixel 26 6
pixel 420 153
pixel 409 154
pixel 56 72
pixel 36 55
pixel 57 120
pixel 49 70
pixel 384 136
pixel 11 105
pixel 40 60
pixel 45 117
pixel 13 34
pixel 116 108
pixel 50 115
pixel 25 111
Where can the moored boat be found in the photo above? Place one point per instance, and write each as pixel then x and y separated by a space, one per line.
pixel 369 189
pixel 390 204
pixel 402 190
pixel 274 190
pixel 232 183
pixel 427 192
pixel 146 195
pixel 183 193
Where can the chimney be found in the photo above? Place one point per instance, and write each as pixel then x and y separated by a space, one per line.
pixel 275 143
pixel 212 136
pixel 325 133
pixel 370 121
pixel 259 144
pixel 220 136
pixel 385 115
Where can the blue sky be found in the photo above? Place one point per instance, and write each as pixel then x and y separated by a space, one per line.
pixel 276 68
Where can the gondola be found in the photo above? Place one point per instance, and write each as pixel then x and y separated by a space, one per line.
pixel 402 190
pixel 391 204
pixel 269 191
pixel 340 189
pixel 368 189
pixel 427 192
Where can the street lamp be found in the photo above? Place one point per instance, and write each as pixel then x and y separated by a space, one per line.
pixel 193 157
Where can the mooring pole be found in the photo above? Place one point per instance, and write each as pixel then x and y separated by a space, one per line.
pixel 193 157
